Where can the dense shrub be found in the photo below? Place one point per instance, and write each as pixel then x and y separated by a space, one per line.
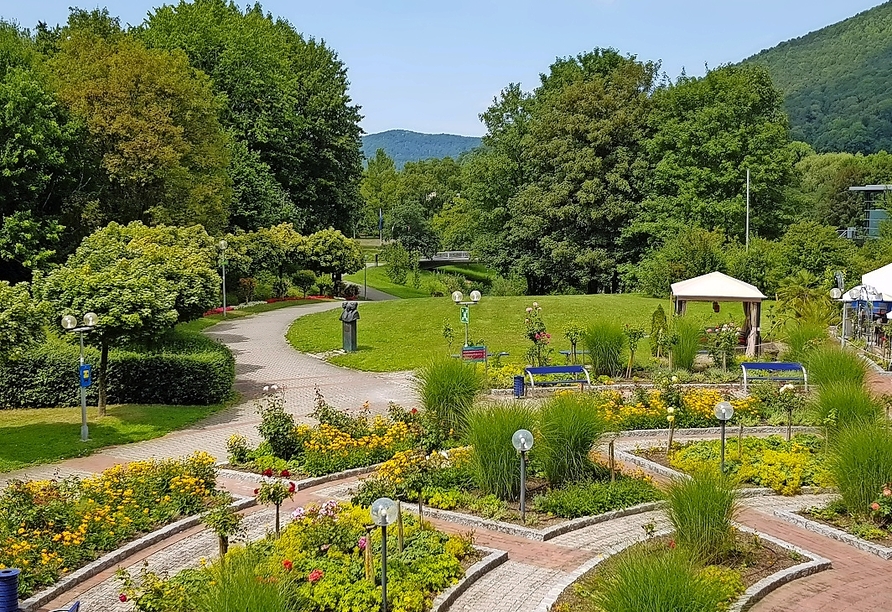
pixel 570 425
pixel 589 498
pixel 861 464
pixel 687 342
pixel 604 340
pixel 494 461
pixel 185 369
pixel 513 285
pixel 447 389
pixel 701 509
pixel 832 363
pixel 840 404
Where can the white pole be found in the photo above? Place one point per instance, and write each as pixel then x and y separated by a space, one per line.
pixel 747 209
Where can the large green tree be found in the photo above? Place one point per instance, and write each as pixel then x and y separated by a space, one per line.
pixel 285 99
pixel 140 280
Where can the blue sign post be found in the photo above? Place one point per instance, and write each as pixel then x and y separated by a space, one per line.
pixel 86 375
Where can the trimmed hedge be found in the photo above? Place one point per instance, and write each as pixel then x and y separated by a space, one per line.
pixel 186 369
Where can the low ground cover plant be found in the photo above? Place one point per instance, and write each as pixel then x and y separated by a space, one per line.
pixel 765 462
pixel 49 528
pixel 325 560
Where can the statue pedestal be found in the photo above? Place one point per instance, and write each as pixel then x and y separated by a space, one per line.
pixel 349 336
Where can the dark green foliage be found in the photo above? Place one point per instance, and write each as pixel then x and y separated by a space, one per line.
pixel 662 580
pixel 688 332
pixel 832 363
pixel 658 324
pixel 844 403
pixel 589 498
pixel 835 83
pixel 277 426
pixel 605 341
pixel 447 389
pixel 690 253
pixel 701 509
pixel 570 426
pixel 495 463
pixel 861 464
pixel 405 146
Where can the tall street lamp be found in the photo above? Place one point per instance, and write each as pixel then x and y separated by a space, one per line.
pixel 465 308
pixel 384 512
pixel 724 411
pixel 223 244
pixel 69 322
pixel 523 441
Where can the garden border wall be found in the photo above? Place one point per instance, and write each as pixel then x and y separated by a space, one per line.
pixel 883 552
pixel 299 485
pixel 116 556
pixel 492 560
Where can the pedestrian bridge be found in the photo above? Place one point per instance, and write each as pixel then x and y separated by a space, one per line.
pixel 446 258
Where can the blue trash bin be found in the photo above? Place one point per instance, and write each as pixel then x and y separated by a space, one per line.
pixel 519 387
pixel 9 587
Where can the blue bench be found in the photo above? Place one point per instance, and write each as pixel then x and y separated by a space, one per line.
pixel 784 368
pixel 580 373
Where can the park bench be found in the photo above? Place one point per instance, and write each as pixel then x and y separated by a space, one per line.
pixel 580 373
pixel 785 372
pixel 75 608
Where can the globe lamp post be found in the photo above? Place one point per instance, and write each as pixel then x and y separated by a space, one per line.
pixel 69 323
pixel 523 442
pixel 724 411
pixel 384 512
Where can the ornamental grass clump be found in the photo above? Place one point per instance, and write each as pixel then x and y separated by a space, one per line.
pixel 494 463
pixel 840 404
pixel 643 579
pixel 447 389
pixel 570 425
pixel 802 339
pixel 605 341
pixel 687 333
pixel 861 465
pixel 831 363
pixel 235 585
pixel 701 509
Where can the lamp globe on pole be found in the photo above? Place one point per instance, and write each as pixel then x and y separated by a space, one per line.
pixel 724 411
pixel 523 441
pixel 475 296
pixel 70 324
pixel 457 297
pixel 384 512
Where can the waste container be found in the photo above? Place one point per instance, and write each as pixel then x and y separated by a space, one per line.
pixel 9 587
pixel 519 387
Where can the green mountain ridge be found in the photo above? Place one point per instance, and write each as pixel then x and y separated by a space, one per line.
pixel 404 146
pixel 837 82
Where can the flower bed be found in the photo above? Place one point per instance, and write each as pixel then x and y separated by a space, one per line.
pixel 50 528
pixel 326 560
pixel 874 524
pixel 339 442
pixel 444 481
pixel 769 462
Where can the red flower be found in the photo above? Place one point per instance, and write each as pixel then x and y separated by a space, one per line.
pixel 256 491
pixel 414 411
pixel 287 564
pixel 291 487
pixel 671 543
pixel 268 472
pixel 122 597
pixel 316 575
pixel 285 474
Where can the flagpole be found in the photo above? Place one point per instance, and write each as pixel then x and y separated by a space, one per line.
pixel 747 209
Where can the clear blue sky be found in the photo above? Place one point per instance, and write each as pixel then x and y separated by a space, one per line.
pixel 434 66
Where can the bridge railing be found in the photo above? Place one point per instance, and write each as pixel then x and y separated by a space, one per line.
pixel 452 255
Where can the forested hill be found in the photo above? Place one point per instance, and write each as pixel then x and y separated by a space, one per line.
pixel 404 146
pixel 837 83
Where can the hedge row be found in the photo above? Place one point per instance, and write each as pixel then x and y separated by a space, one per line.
pixel 187 369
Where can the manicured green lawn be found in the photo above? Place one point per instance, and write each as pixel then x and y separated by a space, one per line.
pixel 378 279
pixel 44 435
pixel 402 335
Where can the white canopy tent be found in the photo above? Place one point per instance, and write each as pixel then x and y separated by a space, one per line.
pixel 881 280
pixel 718 287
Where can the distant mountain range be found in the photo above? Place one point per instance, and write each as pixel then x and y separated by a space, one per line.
pixel 405 146
pixel 837 83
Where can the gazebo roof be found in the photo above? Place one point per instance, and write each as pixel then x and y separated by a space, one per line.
pixel 716 287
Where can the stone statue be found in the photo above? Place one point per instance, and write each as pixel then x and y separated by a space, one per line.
pixel 349 317
pixel 351 312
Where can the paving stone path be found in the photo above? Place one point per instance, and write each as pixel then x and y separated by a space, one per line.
pixel 858 582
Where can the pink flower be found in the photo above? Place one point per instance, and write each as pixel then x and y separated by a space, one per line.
pixel 874 506
pixel 548 336
pixel 529 310
pixel 285 474
pixel 671 543
pixel 268 472
pixel 316 575
pixel 291 487
pixel 287 564
pixel 363 542
pixel 535 304
pixel 413 411
pixel 122 597
pixel 886 492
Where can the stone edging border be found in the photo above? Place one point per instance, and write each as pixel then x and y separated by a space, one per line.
pixel 769 583
pixel 300 485
pixel 492 560
pixel 883 552
pixel 662 470
pixel 540 535
pixel 714 431
pixel 117 556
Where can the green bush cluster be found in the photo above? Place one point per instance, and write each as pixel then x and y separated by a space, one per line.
pixel 592 497
pixel 494 460
pixel 569 427
pixel 447 389
pixel 184 369
pixel 861 465
pixel 605 340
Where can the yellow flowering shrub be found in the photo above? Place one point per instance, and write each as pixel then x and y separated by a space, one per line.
pixel 49 527
pixel 700 403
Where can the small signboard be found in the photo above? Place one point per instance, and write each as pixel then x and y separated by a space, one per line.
pixel 473 353
pixel 465 314
pixel 86 375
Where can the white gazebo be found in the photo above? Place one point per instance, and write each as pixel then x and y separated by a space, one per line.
pixel 717 287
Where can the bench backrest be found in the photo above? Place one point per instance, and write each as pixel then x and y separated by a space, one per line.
pixel 568 369
pixel 772 366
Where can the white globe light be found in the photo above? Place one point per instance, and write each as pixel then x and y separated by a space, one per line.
pixel 724 411
pixel 383 511
pixel 69 322
pixel 457 296
pixel 223 245
pixel 835 293
pixel 522 440
pixel 475 296
pixel 91 319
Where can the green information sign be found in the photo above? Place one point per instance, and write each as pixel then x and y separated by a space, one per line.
pixel 465 314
